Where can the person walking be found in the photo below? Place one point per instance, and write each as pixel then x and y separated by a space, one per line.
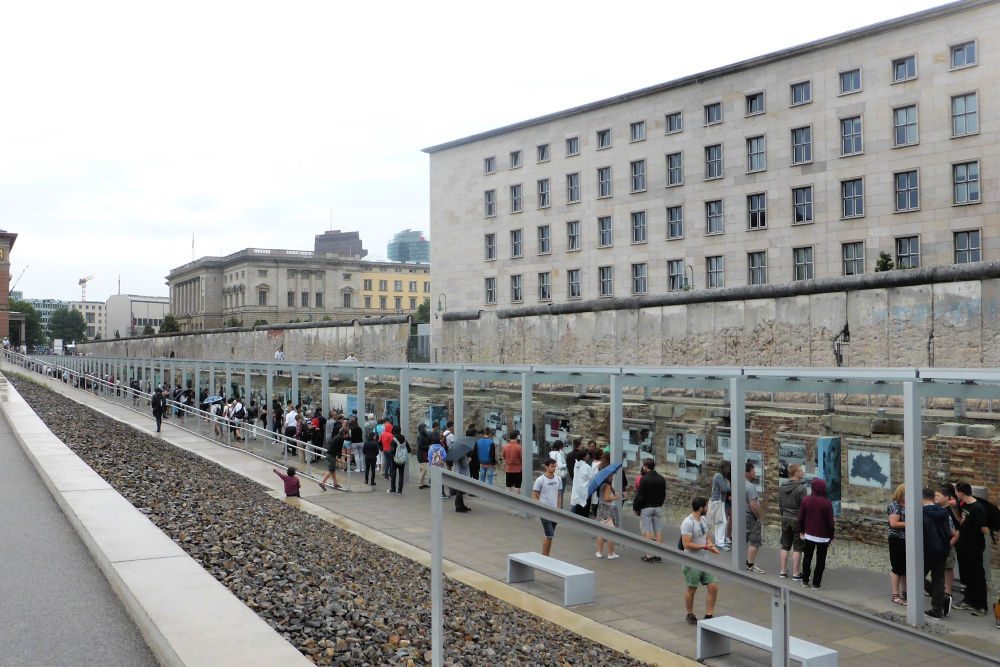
pixel 512 464
pixel 896 509
pixel 650 494
pixel 722 492
pixel 790 495
pixel 815 520
pixel 547 490
pixel 937 546
pixel 697 541
pixel 607 509
pixel 423 449
pixel 969 548
pixel 753 522
pixel 334 448
pixel 158 402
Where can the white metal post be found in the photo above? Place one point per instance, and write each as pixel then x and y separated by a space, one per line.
pixel 404 417
pixel 458 391
pixel 324 389
pixel 295 385
pixel 779 627
pixel 615 427
pixel 527 419
pixel 437 568
pixel 362 410
pixel 246 385
pixel 913 476
pixel 738 449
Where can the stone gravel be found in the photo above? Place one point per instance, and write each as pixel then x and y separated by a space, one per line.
pixel 337 598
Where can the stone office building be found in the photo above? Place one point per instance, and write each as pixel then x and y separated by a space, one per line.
pixel 801 164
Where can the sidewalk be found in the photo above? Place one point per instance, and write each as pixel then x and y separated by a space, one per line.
pixel 640 599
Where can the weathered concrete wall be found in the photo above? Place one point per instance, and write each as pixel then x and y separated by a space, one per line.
pixel 944 324
pixel 382 340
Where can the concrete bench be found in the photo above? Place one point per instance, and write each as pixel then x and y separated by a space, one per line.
pixel 714 635
pixel 579 582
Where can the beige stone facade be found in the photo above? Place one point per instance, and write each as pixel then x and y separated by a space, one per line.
pixel 878 140
pixel 278 286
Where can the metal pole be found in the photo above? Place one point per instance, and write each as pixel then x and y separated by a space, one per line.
pixel 246 384
pixel 362 410
pixel 437 568
pixel 458 390
pixel 779 627
pixel 527 418
pixel 615 430
pixel 404 415
pixel 324 389
pixel 295 385
pixel 738 445
pixel 913 475
pixel 270 389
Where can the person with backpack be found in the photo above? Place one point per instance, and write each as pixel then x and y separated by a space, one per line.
pixel 937 546
pixel 969 548
pixel 400 457
pixel 423 449
pixel 436 456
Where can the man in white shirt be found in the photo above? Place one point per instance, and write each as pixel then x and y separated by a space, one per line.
pixel 696 539
pixel 547 490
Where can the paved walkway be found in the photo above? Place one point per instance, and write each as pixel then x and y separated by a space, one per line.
pixel 641 599
pixel 58 609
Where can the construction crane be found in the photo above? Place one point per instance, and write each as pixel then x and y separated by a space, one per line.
pixel 18 279
pixel 83 287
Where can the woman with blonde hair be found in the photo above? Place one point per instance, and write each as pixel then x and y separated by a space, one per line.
pixel 897 545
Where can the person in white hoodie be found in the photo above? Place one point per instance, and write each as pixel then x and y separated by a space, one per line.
pixel 583 473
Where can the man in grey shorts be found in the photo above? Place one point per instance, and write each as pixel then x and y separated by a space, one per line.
pixel 649 497
pixel 753 522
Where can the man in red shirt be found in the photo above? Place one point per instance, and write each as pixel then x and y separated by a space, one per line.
pixel 512 463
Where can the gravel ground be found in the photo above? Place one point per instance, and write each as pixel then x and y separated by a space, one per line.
pixel 337 598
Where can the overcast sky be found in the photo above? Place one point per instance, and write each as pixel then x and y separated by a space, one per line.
pixel 126 127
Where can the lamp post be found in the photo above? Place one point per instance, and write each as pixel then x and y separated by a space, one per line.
pixel 441 308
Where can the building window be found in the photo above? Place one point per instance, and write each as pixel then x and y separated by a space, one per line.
pixel 801 93
pixel 802 145
pixel 964 115
pixel 305 299
pixel 543 152
pixel 755 103
pixel 965 180
pixel 366 284
pixel 516 249
pixel 397 285
pixel 491 291
pixel 675 275
pixel 347 300
pixel 904 120
pixel 713 217
pixel 715 273
pixel 604 182
pixel 383 285
pixel 291 299
pixel 674 122
pixel 573 280
pixel 515 159
pixel 638 227
pixel 675 169
pixel 516 289
pixel 757 267
pixel 262 273
pixel 757 211
pixel 853 258
pixel 490 203
pixel 967 247
pixel 675 222
pixel 713 161
pixel 713 113
pixel 572 146
pixel 544 240
pixel 850 135
pixel 382 303
pixel 413 303
pixel 850 81
pixel 319 299
pixel 604 231
pixel 572 188
pixel 489 165
pixel 802 259
pixel 368 302
pixel 907 191
pixel 637 130
pixel 852 197
pixel 398 303
pixel 802 204
pixel 907 252
pixel 427 286
pixel 603 139
pixel 413 286
pixel 543 193
pixel 262 297
pixel 904 69
pixel 605 281
pixel 291 274
pixel 963 55
pixel 638 168
pixel 573 235
pixel 515 198
pixel 639 278
pixel 544 286
pixel 756 154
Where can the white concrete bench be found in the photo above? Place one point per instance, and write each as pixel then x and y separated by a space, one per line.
pixel 579 582
pixel 714 635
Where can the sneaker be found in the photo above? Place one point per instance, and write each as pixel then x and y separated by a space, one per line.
pixel 390 491
pixel 962 606
pixel 805 584
pixel 725 547
pixel 947 605
pixel 753 569
pixel 817 587
pixel 598 554
pixel 782 575
pixel 648 559
pixel 692 619
pixel 322 486
pixel 657 559
pixel 978 612
pixel 707 616
pixel 934 613
pixel 613 556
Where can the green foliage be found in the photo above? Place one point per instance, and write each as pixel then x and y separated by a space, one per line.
pixel 32 325
pixel 327 318
pixel 884 262
pixel 68 325
pixel 295 321
pixel 148 330
pixel 260 323
pixel 170 324
pixel 233 322
pixel 423 314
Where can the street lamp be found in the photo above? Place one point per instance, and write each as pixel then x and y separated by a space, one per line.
pixel 441 308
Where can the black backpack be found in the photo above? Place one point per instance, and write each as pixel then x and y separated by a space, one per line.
pixel 992 517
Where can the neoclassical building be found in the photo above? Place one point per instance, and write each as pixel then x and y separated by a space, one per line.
pixel 828 159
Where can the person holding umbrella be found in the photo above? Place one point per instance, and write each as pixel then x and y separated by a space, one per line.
pixel 458 454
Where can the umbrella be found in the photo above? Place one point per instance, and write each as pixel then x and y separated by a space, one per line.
pixel 212 399
pixel 601 476
pixel 460 448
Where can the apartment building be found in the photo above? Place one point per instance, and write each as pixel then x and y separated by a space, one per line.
pixel 806 163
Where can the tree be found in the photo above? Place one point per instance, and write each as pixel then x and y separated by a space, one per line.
pixel 148 330
pixel 884 262
pixel 423 314
pixel 170 324
pixel 260 323
pixel 32 325
pixel 68 325
pixel 233 322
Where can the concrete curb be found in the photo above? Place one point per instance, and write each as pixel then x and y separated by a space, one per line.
pixel 184 614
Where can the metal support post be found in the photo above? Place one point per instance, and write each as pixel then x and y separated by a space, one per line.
pixel 246 384
pixel 437 568
pixel 229 381
pixel 295 385
pixel 324 389
pixel 270 389
pixel 615 428
pixel 362 410
pixel 458 390
pixel 212 387
pixel 527 419
pixel 404 416
pixel 738 448
pixel 913 477
pixel 779 627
